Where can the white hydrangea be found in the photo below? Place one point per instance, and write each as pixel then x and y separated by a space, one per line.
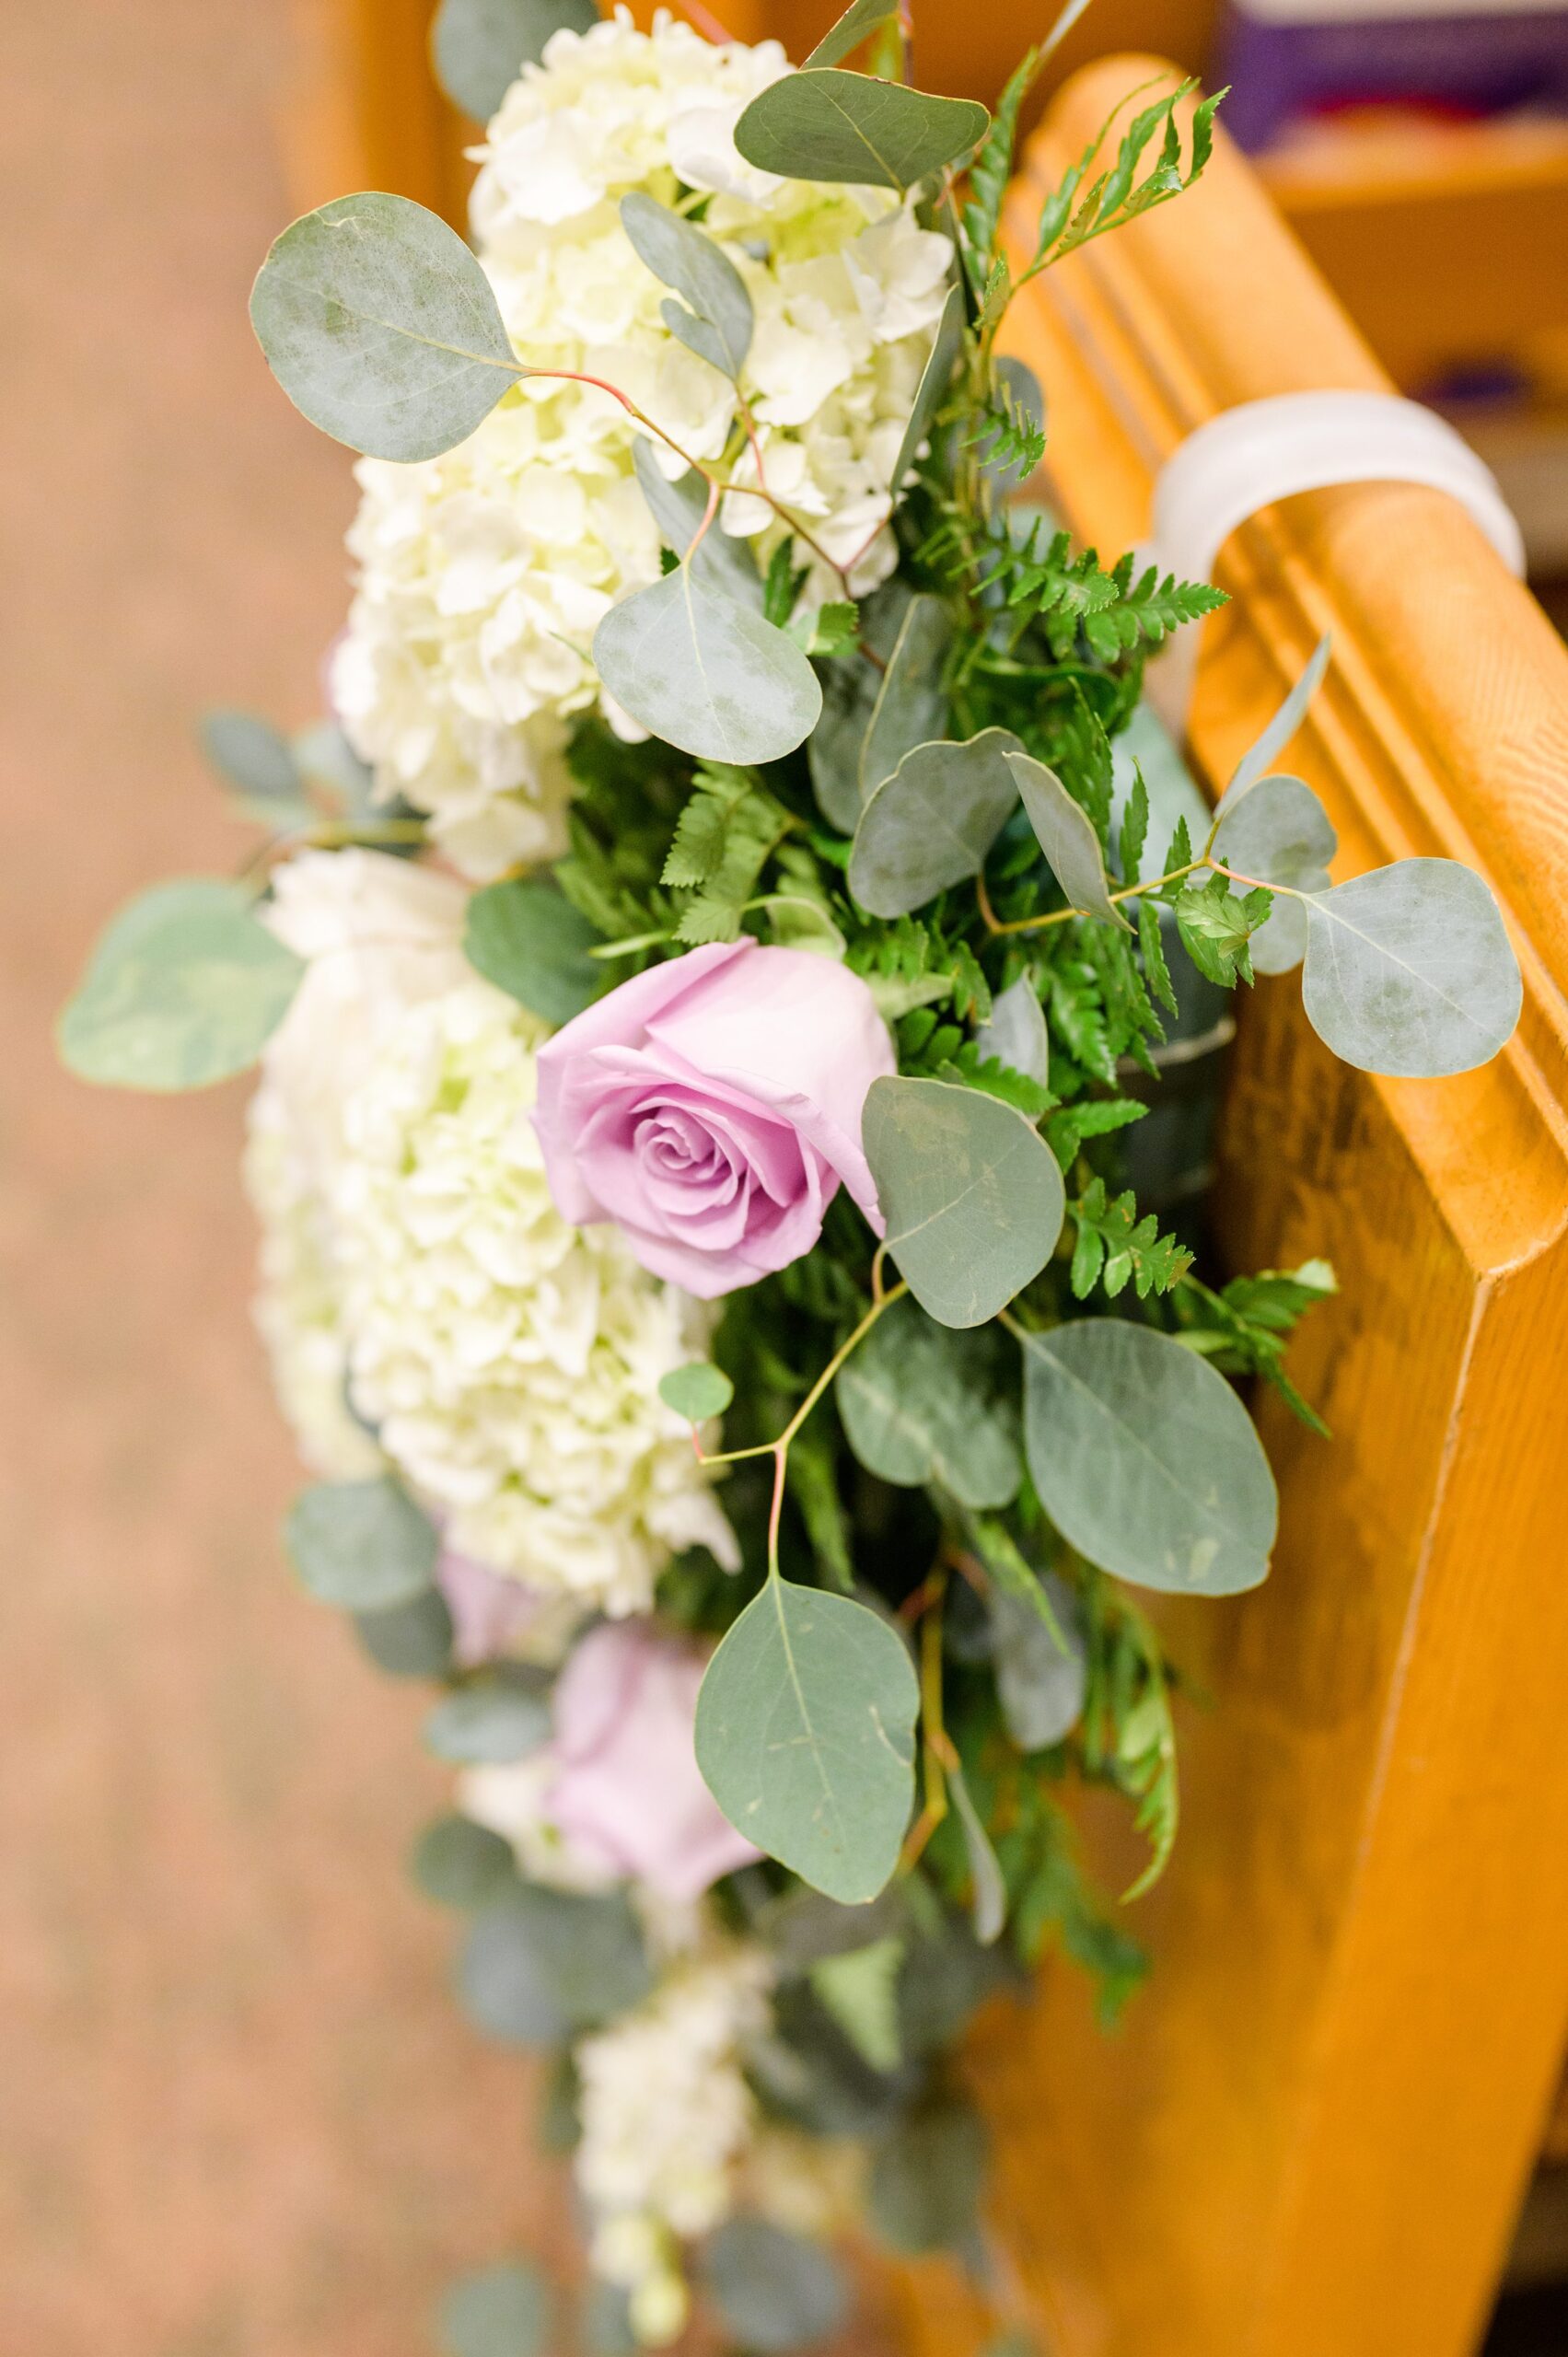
pixel 414 1263
pixel 510 1362
pixel 379 936
pixel 666 2121
pixel 482 573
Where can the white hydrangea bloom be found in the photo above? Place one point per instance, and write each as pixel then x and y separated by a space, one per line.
pixel 510 1362
pixel 484 574
pixel 379 936
pixel 667 2119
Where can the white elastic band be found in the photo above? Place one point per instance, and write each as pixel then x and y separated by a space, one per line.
pixel 1249 457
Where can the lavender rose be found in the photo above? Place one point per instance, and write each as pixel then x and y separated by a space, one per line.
pixel 711 1109
pixel 627 1788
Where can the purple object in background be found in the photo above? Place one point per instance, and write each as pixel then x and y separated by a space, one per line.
pixel 1287 59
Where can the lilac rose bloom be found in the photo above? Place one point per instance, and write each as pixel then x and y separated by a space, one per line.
pixel 627 1789
pixel 711 1109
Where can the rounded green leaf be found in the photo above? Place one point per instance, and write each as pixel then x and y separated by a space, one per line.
pixel 850 686
pixel 805 1734
pixel 1409 971
pixel 541 1962
pixel 928 2178
pixel 184 989
pixel 1279 833
pixel 501 1714
pixel 381 327
pixel 697 1391
pixel 526 938
pixel 931 824
pixel 857 23
pixel 412 1640
pixel 1146 1459
pixel 500 2312
pixel 825 124
pixel 1017 1033
pixel 605 2320
pixel 258 761
pixel 1041 1672
pixel 363 1546
pixel 480 47
pixel 677 508
pixel 718 325
pixel 705 673
pixel 502 1982
pixel 1066 834
pixel 972 1194
pixel 773 2290
pixel 922 1402
pixel 460 1863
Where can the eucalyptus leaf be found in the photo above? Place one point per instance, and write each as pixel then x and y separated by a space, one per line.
pixel 1280 833
pixel 705 673
pixel 678 509
pixel 932 822
pixel 697 1391
pixel 501 1714
pixel 540 1962
pixel 381 327
pixel 412 1639
pixel 860 1988
pixel 1146 1459
pixel 499 2312
pixel 363 1546
pixel 927 2179
pixel 258 761
pixel 935 379
pixel 922 1402
pixel 1016 1032
pixel 849 689
pixel 825 124
pixel 605 2320
pixel 480 47
pixel 526 938
pixel 1041 1672
pixel 857 23
pixel 1261 755
pixel 987 1907
pixel 460 1863
pixel 972 1194
pixel 717 322
pixel 184 988
pixel 1409 971
pixel 805 1733
pixel 1066 835
pixel 910 706
pixel 773 2290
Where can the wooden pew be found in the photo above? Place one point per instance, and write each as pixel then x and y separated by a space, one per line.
pixel 1310 2138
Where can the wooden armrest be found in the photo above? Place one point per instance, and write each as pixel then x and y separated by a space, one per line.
pixel 1310 2137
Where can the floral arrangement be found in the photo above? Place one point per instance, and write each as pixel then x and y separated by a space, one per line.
pixel 707 977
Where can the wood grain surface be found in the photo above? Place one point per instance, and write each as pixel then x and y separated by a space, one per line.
pixel 1312 2134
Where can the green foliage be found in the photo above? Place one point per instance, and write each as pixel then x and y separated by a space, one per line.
pixel 992 170
pixel 1128 1735
pixel 773 2290
pixel 697 1391
pixel 922 1403
pixel 1069 838
pixel 1245 1328
pixel 479 47
pixel 257 761
pixel 363 1546
pixel 1116 196
pixel 927 2179
pixel 532 943
pixel 825 124
pixel 938 1051
pixel 1409 971
pixel 931 823
pixel 1115 1248
pixel 1145 1459
pixel 713 319
pixel 380 326
pixel 859 21
pixel 860 1988
pixel 970 1192
pixel 1044 582
pixel 460 1863
pixel 721 842
pixel 500 1713
pixel 703 671
pixel 1215 924
pixel 935 379
pixel 804 1735
pixel 538 1962
pixel 500 2312
pixel 184 989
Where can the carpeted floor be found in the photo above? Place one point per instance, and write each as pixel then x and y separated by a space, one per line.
pixel 240 2116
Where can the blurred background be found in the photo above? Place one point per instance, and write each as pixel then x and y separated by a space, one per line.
pixel 238 2113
